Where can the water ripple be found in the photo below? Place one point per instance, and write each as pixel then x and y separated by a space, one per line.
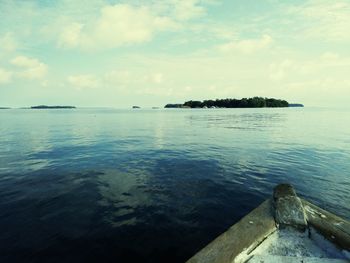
pixel 101 185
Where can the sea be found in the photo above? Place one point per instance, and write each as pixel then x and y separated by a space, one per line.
pixel 157 185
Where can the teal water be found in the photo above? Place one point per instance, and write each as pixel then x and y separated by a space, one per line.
pixel 111 185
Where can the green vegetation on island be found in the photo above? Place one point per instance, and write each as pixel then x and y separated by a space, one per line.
pixel 255 102
pixel 177 105
pixel 52 107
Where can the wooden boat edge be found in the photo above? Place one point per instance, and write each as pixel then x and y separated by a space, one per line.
pixel 244 236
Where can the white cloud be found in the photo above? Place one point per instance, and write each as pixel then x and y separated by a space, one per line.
pixel 247 46
pixel 83 81
pixel 326 64
pixel 30 68
pixel 189 88
pixel 328 20
pixel 330 56
pixel 71 36
pixel 123 79
pixel 157 78
pixel 117 25
pixel 188 9
pixel 22 61
pixel 142 83
pixel 180 10
pixel 278 71
pixel 5 76
pixel 8 43
pixel 44 84
pixel 324 89
pixel 155 91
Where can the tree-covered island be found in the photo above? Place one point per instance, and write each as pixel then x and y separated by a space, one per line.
pixel 52 107
pixel 255 102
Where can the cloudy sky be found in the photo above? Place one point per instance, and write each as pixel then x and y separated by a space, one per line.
pixel 151 52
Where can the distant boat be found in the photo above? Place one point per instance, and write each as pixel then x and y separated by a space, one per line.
pixel 284 228
pixel 136 107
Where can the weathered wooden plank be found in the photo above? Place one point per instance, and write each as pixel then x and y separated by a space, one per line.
pixel 248 233
pixel 332 227
pixel 284 259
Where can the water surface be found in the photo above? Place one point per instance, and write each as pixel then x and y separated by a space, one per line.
pixel 106 185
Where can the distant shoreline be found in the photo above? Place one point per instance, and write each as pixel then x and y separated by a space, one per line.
pixel 296 105
pixel 52 107
pixel 255 102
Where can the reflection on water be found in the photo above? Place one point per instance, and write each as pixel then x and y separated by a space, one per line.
pixel 245 121
pixel 126 186
pixel 125 194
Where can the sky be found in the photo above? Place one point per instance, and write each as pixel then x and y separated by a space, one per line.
pixel 105 53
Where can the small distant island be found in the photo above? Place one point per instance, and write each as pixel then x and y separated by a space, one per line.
pixel 295 105
pixel 255 102
pixel 5 108
pixel 136 107
pixel 52 107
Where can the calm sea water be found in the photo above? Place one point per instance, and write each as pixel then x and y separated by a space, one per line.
pixel 92 185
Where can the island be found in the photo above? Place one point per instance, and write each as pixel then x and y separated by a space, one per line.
pixel 136 107
pixel 295 105
pixel 5 108
pixel 255 102
pixel 52 107
pixel 176 105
